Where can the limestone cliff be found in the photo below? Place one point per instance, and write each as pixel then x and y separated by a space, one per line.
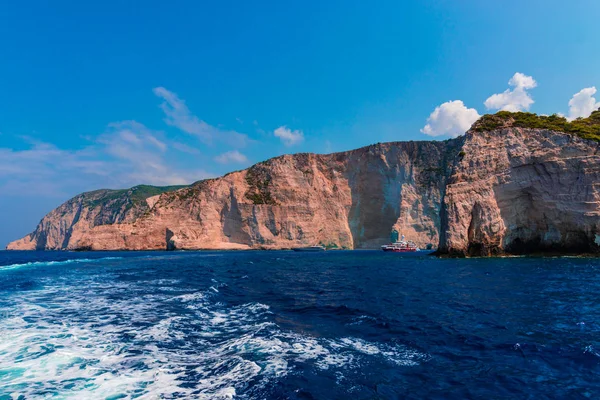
pixel 519 191
pixel 516 183
pixel 347 200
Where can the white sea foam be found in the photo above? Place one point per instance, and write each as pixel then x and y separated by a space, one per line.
pixel 396 353
pixel 99 339
pixel 166 330
pixel 84 357
pixel 52 263
pixel 196 296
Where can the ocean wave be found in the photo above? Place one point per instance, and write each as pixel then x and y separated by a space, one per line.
pixel 118 340
pixel 51 263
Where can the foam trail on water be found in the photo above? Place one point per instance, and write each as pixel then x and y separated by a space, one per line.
pixel 107 339
pixel 51 263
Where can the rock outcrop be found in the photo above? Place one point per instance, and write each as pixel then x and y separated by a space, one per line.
pixel 503 188
pixel 346 200
pixel 522 191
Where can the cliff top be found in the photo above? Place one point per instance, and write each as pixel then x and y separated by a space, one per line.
pixel 132 196
pixel 586 128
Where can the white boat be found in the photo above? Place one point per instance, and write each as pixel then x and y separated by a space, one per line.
pixel 310 248
pixel 401 246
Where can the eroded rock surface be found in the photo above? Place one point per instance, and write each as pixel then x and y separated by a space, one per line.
pixel 347 200
pixel 521 191
pixel 510 190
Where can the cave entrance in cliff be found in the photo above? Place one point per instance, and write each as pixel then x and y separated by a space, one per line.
pixel 169 242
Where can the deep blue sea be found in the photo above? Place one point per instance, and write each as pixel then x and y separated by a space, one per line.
pixel 285 325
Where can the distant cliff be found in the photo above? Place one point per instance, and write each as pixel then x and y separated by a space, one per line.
pixel 346 200
pixel 514 184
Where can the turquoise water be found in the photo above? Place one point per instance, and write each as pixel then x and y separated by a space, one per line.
pixel 285 325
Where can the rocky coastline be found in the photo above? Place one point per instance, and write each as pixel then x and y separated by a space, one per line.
pixel 507 187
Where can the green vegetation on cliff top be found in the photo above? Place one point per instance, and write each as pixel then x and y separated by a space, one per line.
pixel 258 181
pixel 135 195
pixel 586 128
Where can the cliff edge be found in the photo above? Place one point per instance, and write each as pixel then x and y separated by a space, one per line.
pixel 346 200
pixel 516 183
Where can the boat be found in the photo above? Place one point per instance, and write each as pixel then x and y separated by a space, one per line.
pixel 309 248
pixel 401 246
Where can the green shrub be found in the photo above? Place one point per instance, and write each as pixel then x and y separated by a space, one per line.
pixel 115 199
pixel 586 128
pixel 258 187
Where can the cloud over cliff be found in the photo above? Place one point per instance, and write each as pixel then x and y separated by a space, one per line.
pixel 178 114
pixel 583 103
pixel 451 118
pixel 125 154
pixel 515 99
pixel 289 137
pixel 229 157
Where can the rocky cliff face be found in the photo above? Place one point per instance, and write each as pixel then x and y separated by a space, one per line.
pixel 502 190
pixel 519 191
pixel 346 200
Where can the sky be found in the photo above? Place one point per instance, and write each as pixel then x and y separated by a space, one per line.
pixel 113 94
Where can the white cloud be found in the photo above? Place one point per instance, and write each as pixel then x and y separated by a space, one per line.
pixel 231 157
pixel 184 148
pixel 583 103
pixel 517 99
pixel 131 134
pixel 289 137
pixel 177 114
pixel 141 152
pixel 452 118
pixel 126 154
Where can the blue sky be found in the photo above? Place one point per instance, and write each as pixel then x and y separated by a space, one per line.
pixel 113 94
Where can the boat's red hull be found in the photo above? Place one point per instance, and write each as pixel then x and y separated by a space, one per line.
pixel 402 250
pixel 401 247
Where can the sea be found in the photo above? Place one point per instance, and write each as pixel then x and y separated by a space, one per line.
pixel 286 325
